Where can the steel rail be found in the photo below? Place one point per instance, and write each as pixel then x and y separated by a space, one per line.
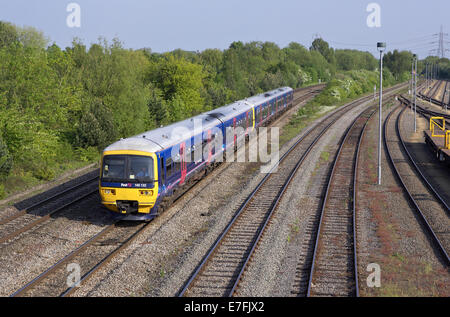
pixel 72 254
pixel 77 251
pixel 325 201
pixel 105 260
pixel 210 252
pixel 443 95
pixel 275 205
pixel 422 217
pixel 355 198
pixel 25 210
pixel 44 218
pixel 419 171
pixel 308 91
pixel 212 249
pixel 236 216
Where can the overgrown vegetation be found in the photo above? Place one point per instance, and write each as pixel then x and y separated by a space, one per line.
pixel 60 107
pixel 344 87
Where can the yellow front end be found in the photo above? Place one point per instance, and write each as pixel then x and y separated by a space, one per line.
pixel 119 195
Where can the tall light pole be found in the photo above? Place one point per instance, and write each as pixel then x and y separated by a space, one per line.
pixel 431 80
pixel 415 87
pixel 381 46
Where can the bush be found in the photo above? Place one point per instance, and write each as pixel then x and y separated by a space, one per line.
pixel 89 154
pixel 96 127
pixel 43 172
pixel 5 159
pixel 2 191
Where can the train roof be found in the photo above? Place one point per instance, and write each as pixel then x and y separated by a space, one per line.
pixel 164 137
pixel 229 111
pixel 269 95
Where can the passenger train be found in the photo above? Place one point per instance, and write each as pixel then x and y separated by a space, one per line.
pixel 142 175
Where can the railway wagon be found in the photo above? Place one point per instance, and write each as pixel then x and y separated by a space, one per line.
pixel 438 146
pixel 142 175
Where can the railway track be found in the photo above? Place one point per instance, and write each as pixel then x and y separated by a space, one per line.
pixel 333 270
pixel 419 171
pixel 435 89
pixel 99 249
pixel 425 112
pixel 432 211
pixel 309 92
pixel 36 214
pixel 220 271
pixel 90 257
pixel 432 98
pixel 444 93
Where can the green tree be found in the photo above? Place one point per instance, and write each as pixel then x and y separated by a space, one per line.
pixel 324 49
pixel 398 62
pixel 8 34
pixel 180 82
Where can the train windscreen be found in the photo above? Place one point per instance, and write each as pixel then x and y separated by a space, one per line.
pixel 127 168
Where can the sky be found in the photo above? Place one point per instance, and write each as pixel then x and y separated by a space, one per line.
pixel 195 25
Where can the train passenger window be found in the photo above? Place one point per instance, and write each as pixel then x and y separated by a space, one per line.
pixel 193 153
pixel 196 156
pixel 169 167
pixel 177 164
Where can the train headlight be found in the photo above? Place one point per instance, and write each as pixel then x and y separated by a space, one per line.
pixel 146 192
pixel 109 191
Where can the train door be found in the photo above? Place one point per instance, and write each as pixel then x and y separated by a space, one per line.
pixel 162 172
pixel 246 122
pixel 183 162
pixel 209 148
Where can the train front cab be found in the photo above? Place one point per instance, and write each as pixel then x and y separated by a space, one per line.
pixel 129 182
